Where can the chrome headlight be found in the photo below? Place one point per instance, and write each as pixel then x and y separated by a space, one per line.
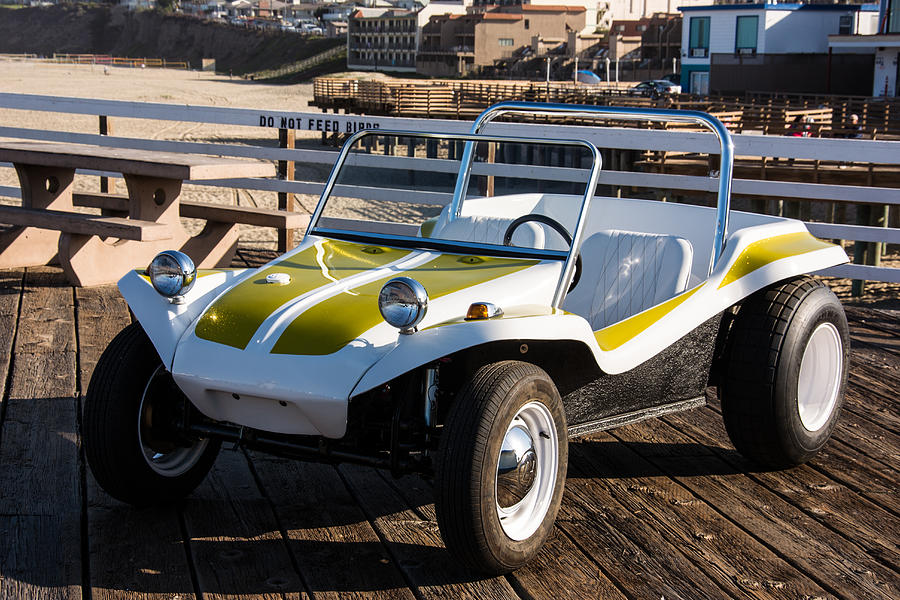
pixel 403 303
pixel 172 274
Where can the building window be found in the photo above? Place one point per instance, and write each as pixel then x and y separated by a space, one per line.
pixel 527 24
pixel 745 35
pixel 845 25
pixel 506 41
pixel 642 28
pixel 699 41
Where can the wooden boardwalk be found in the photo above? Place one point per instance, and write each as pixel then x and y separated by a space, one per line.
pixel 663 509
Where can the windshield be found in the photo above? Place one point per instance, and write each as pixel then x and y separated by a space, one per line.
pixel 522 197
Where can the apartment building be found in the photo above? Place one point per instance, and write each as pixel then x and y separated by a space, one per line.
pixel 387 38
pixel 460 44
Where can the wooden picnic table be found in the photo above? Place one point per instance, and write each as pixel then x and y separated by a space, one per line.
pixel 132 229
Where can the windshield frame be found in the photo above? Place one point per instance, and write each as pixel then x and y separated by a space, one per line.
pixel 462 247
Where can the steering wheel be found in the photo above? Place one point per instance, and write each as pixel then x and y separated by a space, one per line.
pixel 555 226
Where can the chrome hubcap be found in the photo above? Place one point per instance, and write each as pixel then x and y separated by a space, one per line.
pixel 820 376
pixel 165 457
pixel 516 468
pixel 526 471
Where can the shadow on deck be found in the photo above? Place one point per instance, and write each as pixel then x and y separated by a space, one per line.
pixel 664 508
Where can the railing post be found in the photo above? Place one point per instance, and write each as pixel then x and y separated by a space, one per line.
pixel 106 129
pixel 286 138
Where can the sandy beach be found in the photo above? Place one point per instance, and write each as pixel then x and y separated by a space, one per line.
pixel 158 85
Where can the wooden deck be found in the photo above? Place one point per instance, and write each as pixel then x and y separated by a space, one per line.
pixel 663 509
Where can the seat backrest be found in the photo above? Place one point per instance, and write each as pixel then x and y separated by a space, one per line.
pixel 489 230
pixel 625 272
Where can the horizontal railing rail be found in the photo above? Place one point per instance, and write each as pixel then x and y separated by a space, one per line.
pixel 861 151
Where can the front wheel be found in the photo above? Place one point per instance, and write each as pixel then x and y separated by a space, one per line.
pixel 786 362
pixel 132 437
pixel 501 469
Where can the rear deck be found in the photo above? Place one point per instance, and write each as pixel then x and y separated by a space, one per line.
pixel 661 509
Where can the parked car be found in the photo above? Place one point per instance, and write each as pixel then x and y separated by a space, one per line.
pixel 655 88
pixel 466 336
pixel 588 77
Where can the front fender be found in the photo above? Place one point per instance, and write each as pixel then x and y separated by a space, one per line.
pixel 437 341
pixel 165 322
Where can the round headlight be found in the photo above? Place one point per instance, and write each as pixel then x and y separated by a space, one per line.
pixel 403 302
pixel 172 273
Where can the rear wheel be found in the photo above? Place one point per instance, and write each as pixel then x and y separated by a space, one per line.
pixel 502 465
pixel 132 439
pixel 786 362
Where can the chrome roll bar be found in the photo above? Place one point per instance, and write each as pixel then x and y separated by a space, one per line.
pixel 726 146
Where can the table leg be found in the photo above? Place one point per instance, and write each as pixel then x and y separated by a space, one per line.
pixel 88 260
pixel 45 188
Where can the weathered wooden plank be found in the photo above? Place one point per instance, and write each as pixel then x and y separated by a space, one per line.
pixel 863 435
pixel 722 550
pixel 335 547
pixel 45 323
pixel 10 298
pixel 147 163
pixel 837 564
pixel 101 313
pixel 83 224
pixel 874 318
pixel 235 540
pixel 135 554
pixel 40 494
pixel 634 556
pixel 834 505
pixel 415 544
pixel 560 570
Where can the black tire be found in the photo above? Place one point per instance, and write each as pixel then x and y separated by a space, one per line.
pixel 761 385
pixel 130 406
pixel 467 501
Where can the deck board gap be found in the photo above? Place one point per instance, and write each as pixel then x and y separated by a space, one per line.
pixel 597 563
pixel 282 530
pixel 380 534
pixel 188 553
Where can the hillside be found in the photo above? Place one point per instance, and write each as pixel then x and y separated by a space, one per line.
pixel 116 31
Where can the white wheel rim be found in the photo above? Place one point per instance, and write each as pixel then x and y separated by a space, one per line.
pixel 168 464
pixel 522 519
pixel 820 377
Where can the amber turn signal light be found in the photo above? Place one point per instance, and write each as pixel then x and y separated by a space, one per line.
pixel 482 310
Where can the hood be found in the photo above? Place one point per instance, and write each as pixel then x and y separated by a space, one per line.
pixel 285 357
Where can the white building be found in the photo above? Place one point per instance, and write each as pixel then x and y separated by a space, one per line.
pixel 884 43
pixel 770 47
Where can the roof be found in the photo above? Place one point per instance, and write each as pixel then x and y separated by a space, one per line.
pixel 376 13
pixel 786 7
pixel 551 8
pixel 493 16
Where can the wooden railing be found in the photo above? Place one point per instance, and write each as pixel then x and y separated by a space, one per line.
pixel 641 140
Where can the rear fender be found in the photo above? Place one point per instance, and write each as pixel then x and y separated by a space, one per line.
pixel 165 322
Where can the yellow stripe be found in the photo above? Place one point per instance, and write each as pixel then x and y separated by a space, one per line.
pixel 234 318
pixel 333 323
pixel 762 252
pixel 610 338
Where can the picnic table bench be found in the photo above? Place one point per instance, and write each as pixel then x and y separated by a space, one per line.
pixel 99 249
